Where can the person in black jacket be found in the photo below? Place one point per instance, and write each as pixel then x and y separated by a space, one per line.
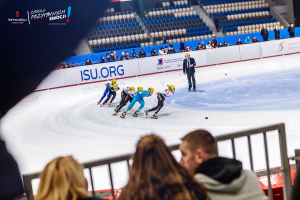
pixel 189 70
pixel 142 54
pixel 277 33
pixel 264 33
pixel 182 47
pixel 198 47
pixel 164 40
pixel 102 59
pixel 291 30
pixel 88 62
pixel 153 52
pixel 171 50
pixel 203 46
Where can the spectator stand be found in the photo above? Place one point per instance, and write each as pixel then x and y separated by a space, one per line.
pixel 231 40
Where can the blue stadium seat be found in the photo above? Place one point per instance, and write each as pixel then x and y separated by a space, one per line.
pixel 108 27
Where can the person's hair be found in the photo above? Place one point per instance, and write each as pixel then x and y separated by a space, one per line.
pixel 201 139
pixel 161 48
pixel 62 178
pixel 155 174
pixel 166 47
pixel 187 46
pixel 198 43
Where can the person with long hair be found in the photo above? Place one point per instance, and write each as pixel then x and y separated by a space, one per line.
pixel 62 179
pixel 156 175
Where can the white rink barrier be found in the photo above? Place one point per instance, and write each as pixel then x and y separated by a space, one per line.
pixel 166 63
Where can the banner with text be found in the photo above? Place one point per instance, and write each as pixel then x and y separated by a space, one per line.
pixel 169 62
pixel 280 47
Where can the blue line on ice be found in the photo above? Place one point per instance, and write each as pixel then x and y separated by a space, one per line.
pixel 270 91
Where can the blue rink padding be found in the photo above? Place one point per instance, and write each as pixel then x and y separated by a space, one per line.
pixel 231 40
pixel 262 92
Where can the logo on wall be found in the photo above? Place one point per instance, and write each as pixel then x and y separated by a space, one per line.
pixel 17 14
pixel 160 61
pixel 281 46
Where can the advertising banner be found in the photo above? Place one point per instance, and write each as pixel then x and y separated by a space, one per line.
pixel 280 47
pixel 90 73
pixel 169 62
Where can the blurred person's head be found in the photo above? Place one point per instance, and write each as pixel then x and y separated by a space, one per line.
pixel 155 174
pixel 199 44
pixel 239 40
pixel 133 50
pixel 187 46
pixel 248 38
pixel 276 27
pixel 107 55
pixel 115 53
pixel 187 55
pixel 214 37
pixel 123 54
pixel 166 48
pixel 171 47
pixel 73 64
pixel 225 43
pixel 254 38
pixel 102 57
pixel 127 53
pixel 209 42
pixel 62 178
pixel 202 42
pixel 197 147
pixel 154 50
pixel 220 43
pixel 87 60
pixel 213 44
pixel 161 48
pixel 180 40
pixel 292 25
pixel 264 26
pixel 141 50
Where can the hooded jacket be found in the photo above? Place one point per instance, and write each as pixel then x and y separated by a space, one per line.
pixel 225 179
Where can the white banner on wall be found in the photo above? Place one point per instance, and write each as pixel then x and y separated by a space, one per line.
pixel 169 62
pixel 280 47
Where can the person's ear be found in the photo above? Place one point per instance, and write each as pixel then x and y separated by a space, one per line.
pixel 200 156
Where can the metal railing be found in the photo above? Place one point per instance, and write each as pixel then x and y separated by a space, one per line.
pixel 285 169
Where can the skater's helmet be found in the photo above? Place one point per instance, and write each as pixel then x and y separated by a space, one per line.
pixel 115 86
pixel 131 89
pixel 150 89
pixel 171 87
pixel 114 81
pixel 140 88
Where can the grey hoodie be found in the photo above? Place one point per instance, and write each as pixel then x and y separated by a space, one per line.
pixel 236 184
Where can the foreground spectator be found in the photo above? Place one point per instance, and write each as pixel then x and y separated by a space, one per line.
pixel 134 55
pixel 248 40
pixel 73 65
pixel 142 53
pixel 215 41
pixel 277 33
pixel 62 178
pixel 264 33
pixel 112 55
pixel 220 45
pixel 208 46
pixel 224 178
pixel 291 30
pixel 155 175
pixel 128 56
pixel 171 50
pixel 296 188
pixel 88 62
pixel 11 185
pixel 198 47
pixel 181 47
pixel 255 40
pixel 188 49
pixel 115 56
pixel 203 46
pixel 123 56
pixel 225 44
pixel 153 52
pixel 161 51
pixel 102 59
pixel 239 42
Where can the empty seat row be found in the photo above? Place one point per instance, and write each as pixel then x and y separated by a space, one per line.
pixel 115 26
pixel 234 26
pixel 184 39
pixel 146 44
pixel 174 19
pixel 164 12
pixel 248 15
pixel 240 4
pixel 113 48
pixel 216 2
pixel 116 17
pixel 117 39
pixel 183 14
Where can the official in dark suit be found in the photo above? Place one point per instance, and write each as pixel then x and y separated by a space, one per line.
pixel 189 70
pixel 264 33
pixel 277 33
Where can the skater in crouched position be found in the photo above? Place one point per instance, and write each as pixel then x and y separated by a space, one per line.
pixel 126 95
pixel 108 85
pixel 161 98
pixel 112 91
pixel 138 98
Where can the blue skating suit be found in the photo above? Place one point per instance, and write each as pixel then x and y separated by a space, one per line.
pixel 108 85
pixel 138 98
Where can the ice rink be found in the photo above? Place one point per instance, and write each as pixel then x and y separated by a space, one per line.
pixel 234 97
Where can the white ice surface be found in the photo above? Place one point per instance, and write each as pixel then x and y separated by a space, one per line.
pixel 67 121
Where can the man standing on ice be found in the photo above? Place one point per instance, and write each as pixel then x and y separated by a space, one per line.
pixel 189 70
